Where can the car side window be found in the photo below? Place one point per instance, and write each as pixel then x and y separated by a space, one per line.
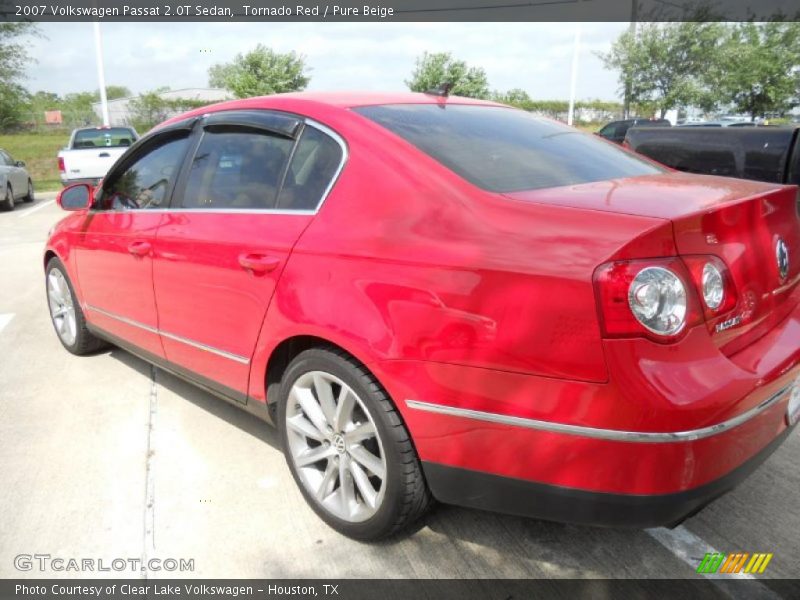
pixel 147 182
pixel 236 169
pixel 609 131
pixel 314 165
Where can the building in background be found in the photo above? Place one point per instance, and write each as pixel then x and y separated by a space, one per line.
pixel 119 110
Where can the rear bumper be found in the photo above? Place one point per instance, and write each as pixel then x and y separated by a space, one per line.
pixel 485 491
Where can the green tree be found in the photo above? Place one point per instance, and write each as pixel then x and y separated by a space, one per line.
pixel 666 64
pixel 514 97
pixel 115 91
pixel 435 69
pixel 13 61
pixel 260 72
pixel 149 109
pixel 758 67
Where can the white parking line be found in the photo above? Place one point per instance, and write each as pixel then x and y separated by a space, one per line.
pixel 5 320
pixel 691 549
pixel 35 208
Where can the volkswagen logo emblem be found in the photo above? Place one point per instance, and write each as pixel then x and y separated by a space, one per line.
pixel 782 256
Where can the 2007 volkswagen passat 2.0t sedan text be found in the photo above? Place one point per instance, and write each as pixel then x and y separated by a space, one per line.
pixel 441 298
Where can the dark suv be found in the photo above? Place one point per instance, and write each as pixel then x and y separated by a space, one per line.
pixel 616 130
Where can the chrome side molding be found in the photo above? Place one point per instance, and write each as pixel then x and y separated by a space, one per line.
pixel 602 434
pixel 200 346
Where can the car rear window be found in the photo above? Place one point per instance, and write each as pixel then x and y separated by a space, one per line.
pixel 113 137
pixel 506 150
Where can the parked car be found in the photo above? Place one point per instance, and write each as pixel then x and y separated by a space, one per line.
pixel 91 151
pixel 447 298
pixel 15 182
pixel 616 130
pixel 760 153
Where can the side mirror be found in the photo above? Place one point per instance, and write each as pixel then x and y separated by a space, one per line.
pixel 20 163
pixel 75 197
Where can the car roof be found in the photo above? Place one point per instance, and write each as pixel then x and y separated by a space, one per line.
pixel 353 99
pixel 315 102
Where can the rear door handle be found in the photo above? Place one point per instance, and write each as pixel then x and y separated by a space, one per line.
pixel 104 155
pixel 258 263
pixel 139 248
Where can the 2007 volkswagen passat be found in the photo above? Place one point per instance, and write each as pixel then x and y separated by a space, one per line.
pixel 441 298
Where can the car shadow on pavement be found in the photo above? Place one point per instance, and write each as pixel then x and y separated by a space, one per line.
pixel 205 400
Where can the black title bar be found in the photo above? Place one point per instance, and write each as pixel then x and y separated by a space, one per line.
pixel 398 10
pixel 387 589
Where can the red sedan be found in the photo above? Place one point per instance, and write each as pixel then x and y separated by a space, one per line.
pixel 442 298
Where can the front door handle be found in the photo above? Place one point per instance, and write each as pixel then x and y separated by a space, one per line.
pixel 258 263
pixel 104 155
pixel 139 248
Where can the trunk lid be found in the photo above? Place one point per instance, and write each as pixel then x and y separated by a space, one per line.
pixel 752 226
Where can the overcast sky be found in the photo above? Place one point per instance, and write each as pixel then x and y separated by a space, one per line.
pixel 357 56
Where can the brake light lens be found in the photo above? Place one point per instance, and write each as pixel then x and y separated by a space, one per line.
pixel 61 164
pixel 661 299
pixel 646 298
pixel 714 285
pixel 657 298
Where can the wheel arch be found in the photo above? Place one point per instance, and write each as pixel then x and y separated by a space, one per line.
pixel 285 351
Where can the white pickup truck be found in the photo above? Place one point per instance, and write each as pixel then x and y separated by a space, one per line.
pixel 91 152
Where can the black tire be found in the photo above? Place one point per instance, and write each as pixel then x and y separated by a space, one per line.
pixel 406 496
pixel 8 202
pixel 85 342
pixel 29 197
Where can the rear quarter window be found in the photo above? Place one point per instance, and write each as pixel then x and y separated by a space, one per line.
pixel 506 150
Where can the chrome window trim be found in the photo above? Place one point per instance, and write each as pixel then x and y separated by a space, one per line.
pixel 200 346
pixel 602 434
pixel 259 211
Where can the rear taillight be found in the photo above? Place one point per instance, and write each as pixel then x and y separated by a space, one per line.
pixel 661 299
pixel 61 164
pixel 653 298
pixel 714 286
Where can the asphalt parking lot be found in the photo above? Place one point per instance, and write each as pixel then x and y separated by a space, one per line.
pixel 106 457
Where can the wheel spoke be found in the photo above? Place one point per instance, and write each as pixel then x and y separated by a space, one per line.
pixel 328 480
pixel 344 409
pixel 53 289
pixel 324 396
pixel 60 312
pixel 361 432
pixel 314 455
pixel 347 495
pixel 305 427
pixel 365 458
pixel 63 287
pixel 73 330
pixel 363 484
pixel 311 407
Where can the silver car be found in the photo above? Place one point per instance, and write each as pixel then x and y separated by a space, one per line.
pixel 15 182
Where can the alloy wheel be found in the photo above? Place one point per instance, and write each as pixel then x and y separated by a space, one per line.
pixel 335 447
pixel 62 309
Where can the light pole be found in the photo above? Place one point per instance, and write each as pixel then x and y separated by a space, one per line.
pixel 574 77
pixel 101 76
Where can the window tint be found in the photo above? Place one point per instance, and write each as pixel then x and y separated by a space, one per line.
pixel 609 131
pixel 236 169
pixel 505 150
pixel 314 165
pixel 146 183
pixel 113 137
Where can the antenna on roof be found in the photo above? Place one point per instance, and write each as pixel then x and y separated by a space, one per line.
pixel 443 90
